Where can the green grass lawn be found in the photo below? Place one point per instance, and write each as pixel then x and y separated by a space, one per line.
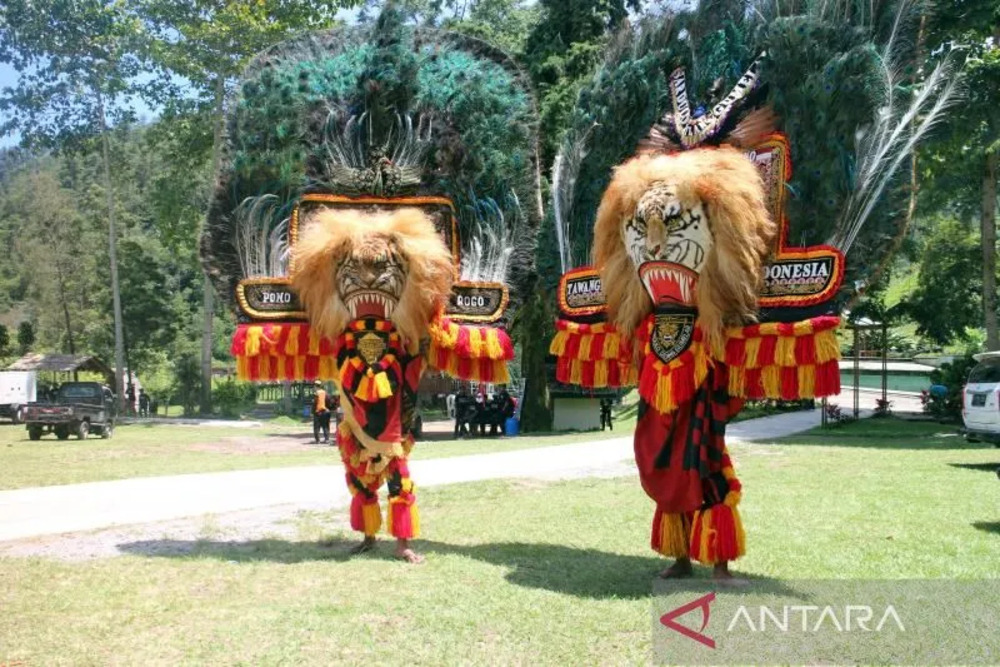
pixel 141 450
pixel 518 572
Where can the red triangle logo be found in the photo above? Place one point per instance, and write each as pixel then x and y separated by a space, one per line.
pixel 669 619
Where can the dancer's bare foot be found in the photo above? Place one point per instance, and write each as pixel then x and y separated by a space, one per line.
pixel 404 552
pixel 721 570
pixel 366 545
pixel 679 570
pixel 722 574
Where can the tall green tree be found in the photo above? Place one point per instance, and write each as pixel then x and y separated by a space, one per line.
pixel 58 262
pixel 947 300
pixel 562 50
pixel 503 23
pixel 208 42
pixel 4 341
pixel 56 250
pixel 25 336
pixel 146 286
pixel 81 65
pixel 961 169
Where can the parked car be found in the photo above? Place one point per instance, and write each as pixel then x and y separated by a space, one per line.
pixel 981 400
pixel 79 408
pixel 17 389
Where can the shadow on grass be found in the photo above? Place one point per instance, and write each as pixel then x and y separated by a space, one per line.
pixel 983 467
pixel 988 526
pixel 587 573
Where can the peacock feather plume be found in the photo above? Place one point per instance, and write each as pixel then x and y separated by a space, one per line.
pixel 385 110
pixel 837 77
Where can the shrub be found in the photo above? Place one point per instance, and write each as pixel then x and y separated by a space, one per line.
pixel 835 416
pixel 883 407
pixel 187 382
pixel 232 398
pixel 948 406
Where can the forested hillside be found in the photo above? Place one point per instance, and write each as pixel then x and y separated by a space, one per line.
pixel 55 271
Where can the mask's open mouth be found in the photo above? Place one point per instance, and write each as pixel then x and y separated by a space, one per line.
pixel 370 303
pixel 669 283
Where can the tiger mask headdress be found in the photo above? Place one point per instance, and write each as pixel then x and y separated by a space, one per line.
pixel 688 229
pixel 349 265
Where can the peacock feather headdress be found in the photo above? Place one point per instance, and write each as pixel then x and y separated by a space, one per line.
pixel 370 117
pixel 826 88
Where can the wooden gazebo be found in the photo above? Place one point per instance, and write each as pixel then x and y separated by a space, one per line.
pixel 65 364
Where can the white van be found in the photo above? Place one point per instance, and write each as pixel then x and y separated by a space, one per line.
pixel 981 400
pixel 17 389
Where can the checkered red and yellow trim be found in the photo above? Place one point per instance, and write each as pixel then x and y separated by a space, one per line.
pixel 777 360
pixel 470 352
pixel 592 355
pixel 293 351
pixel 783 360
pixel 282 351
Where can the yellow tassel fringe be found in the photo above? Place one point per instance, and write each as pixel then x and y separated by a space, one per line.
pixel 674 532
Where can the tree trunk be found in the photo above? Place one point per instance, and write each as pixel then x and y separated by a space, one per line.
pixel 65 306
pixel 208 295
pixel 208 309
pixel 536 414
pixel 988 225
pixel 113 254
pixel 130 375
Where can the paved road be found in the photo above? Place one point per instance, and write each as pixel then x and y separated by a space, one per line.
pixel 80 507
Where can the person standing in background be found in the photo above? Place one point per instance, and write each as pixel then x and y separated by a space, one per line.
pixel 479 421
pixel 507 409
pixel 606 414
pixel 321 413
pixel 463 407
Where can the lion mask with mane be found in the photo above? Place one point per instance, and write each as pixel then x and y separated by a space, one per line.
pixel 392 266
pixel 687 230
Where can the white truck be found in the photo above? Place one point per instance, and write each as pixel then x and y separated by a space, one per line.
pixel 17 389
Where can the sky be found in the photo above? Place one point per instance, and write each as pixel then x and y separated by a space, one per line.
pixel 8 77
